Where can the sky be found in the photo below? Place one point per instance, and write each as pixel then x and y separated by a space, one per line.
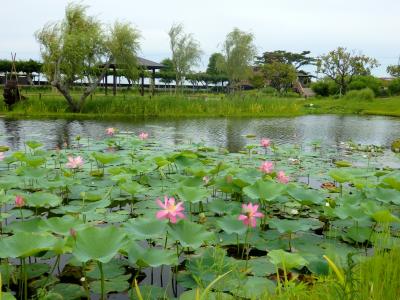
pixel 369 26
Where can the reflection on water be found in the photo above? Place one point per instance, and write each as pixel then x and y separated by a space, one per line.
pixel 223 132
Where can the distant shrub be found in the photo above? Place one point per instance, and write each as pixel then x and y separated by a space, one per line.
pixel 394 87
pixel 366 94
pixel 269 90
pixel 325 87
pixel 321 88
pixel 362 82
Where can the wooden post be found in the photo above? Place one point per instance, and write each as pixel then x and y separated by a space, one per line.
pixel 142 84
pixel 106 84
pixel 114 80
pixel 153 81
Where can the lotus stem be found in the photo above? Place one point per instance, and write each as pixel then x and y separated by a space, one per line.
pixel 100 264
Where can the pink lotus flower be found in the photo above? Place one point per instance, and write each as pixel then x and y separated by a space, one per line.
pixel 265 142
pixel 19 201
pixel 170 210
pixel 110 131
pixel 282 177
pixel 143 136
pixel 267 167
pixel 250 214
pixel 74 163
pixel 2 156
pixel 206 179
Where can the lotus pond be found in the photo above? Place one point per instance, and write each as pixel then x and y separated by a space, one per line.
pixel 125 216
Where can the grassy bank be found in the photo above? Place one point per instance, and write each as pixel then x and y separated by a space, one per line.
pixel 247 104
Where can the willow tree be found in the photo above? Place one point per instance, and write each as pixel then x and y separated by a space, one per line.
pixel 80 48
pixel 186 53
pixel 239 52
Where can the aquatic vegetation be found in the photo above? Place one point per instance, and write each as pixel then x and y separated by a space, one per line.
pixel 196 222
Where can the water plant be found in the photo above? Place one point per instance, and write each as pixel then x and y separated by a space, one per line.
pixel 194 222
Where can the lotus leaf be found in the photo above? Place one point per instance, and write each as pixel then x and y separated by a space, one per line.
pixel 190 234
pixel 265 190
pixel 192 194
pixel 24 244
pixel 286 260
pixel 90 243
pixel 145 228
pixel 43 199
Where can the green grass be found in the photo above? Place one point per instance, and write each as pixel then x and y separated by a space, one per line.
pixel 245 104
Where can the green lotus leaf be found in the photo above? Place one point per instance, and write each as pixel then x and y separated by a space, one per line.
pixel 359 234
pixel 385 195
pixel 61 225
pixel 118 284
pixel 8 296
pixel 193 194
pixel 31 225
pixel 261 267
pixel 289 226
pixel 342 164
pixel 85 208
pixel 349 211
pixel 43 199
pixel 24 244
pixel 34 144
pixel 392 181
pixel 34 161
pixel 36 270
pixel 31 172
pixel 69 291
pixel 112 269
pixel 256 288
pixel 145 228
pixel 190 234
pixel 231 224
pixel 306 196
pixel 191 294
pixel 220 206
pixel 90 243
pixel 132 188
pixel 385 216
pixel 266 190
pixel 105 158
pixel 286 260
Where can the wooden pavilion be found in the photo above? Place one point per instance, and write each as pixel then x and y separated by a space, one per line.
pixel 143 63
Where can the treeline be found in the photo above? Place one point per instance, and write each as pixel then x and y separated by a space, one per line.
pixel 26 66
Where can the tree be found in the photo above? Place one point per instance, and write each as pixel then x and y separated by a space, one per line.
pixel 394 70
pixel 186 53
pixel 341 66
pixel 238 53
pixel 79 47
pixel 280 75
pixel 213 63
pixel 167 74
pixel 297 60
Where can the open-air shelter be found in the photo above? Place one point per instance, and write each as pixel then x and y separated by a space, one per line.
pixel 144 64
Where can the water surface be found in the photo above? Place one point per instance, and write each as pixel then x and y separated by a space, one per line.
pixel 222 132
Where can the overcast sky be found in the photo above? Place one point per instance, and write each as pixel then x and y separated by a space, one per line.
pixel 317 25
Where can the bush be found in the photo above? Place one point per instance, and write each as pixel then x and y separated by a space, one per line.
pixel 325 87
pixel 362 82
pixel 365 95
pixel 394 87
pixel 269 90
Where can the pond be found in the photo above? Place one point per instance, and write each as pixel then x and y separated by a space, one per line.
pixel 229 133
pixel 337 191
